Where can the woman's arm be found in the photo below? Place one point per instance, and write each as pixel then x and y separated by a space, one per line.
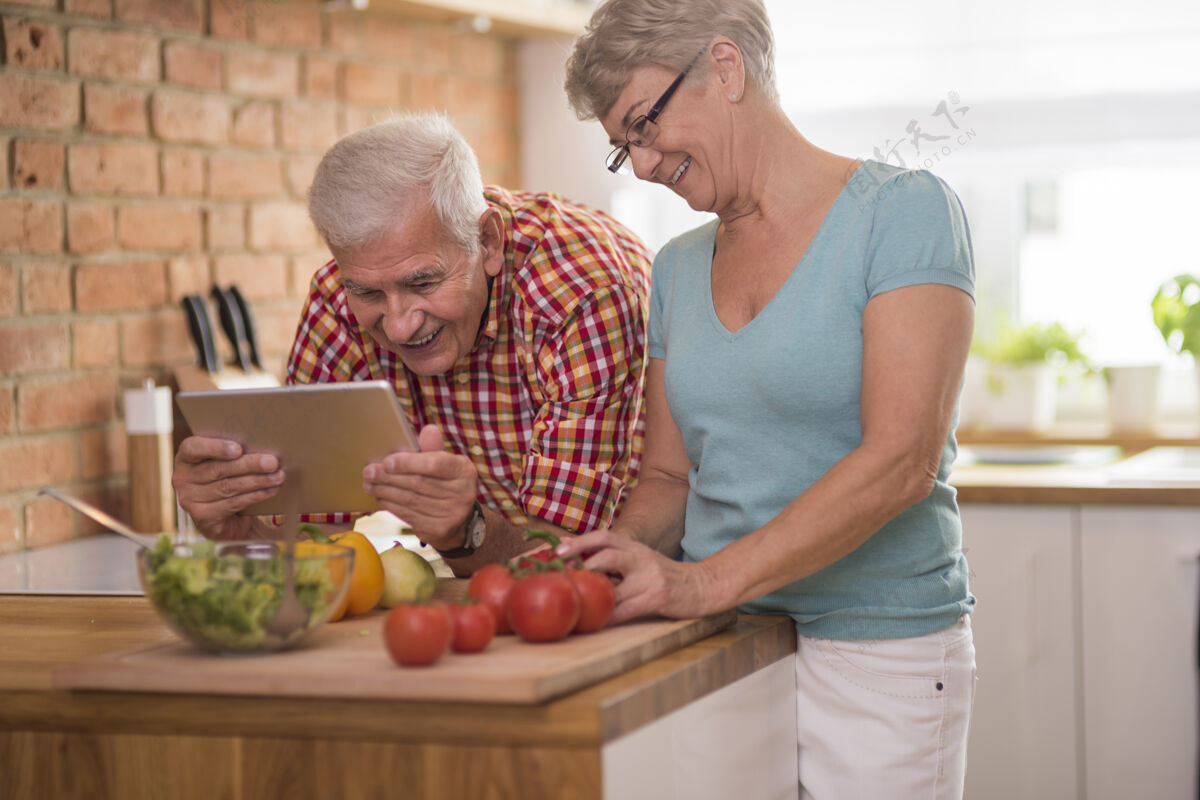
pixel 653 511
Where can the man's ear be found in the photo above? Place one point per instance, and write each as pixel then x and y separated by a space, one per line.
pixel 492 240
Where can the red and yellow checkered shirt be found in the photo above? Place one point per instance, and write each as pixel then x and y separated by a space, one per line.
pixel 548 404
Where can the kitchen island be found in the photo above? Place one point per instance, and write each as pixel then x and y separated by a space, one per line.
pixel 686 722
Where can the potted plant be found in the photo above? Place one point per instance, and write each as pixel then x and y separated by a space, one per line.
pixel 1019 369
pixel 1176 310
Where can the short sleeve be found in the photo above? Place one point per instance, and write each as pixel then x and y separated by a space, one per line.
pixel 919 235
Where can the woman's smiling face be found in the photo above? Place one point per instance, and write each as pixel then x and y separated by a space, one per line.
pixel 693 153
pixel 417 293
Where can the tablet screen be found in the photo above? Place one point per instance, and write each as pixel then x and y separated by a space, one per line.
pixel 323 433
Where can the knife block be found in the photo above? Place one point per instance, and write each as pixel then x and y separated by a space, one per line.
pixel 148 426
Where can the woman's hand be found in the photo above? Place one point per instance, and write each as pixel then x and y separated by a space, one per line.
pixel 650 583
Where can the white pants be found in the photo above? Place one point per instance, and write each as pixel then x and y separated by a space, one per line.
pixel 886 718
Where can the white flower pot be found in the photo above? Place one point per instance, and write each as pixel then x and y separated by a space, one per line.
pixel 1009 397
pixel 1133 397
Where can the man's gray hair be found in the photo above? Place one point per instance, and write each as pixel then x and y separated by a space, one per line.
pixel 624 35
pixel 372 176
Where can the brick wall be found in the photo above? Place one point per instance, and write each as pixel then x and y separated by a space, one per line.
pixel 152 148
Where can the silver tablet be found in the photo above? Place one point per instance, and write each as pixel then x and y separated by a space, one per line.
pixel 323 433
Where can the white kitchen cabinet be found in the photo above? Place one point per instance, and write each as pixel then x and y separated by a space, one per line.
pixel 1025 739
pixel 1141 579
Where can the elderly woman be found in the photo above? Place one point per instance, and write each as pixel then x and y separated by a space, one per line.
pixel 807 352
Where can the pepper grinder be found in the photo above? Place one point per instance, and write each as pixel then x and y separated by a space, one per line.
pixel 148 426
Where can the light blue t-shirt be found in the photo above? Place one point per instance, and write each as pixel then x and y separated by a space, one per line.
pixel 767 410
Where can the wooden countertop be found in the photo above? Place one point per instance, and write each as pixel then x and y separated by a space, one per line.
pixel 1060 485
pixel 40 633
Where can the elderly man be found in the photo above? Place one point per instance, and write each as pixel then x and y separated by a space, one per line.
pixel 511 325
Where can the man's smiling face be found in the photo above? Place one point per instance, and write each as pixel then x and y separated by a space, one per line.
pixel 417 293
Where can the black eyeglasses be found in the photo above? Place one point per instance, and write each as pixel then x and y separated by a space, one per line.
pixel 644 130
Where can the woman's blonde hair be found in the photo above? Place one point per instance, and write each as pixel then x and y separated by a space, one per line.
pixel 624 35
pixel 371 176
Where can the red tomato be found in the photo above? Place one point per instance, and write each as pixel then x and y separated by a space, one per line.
pixel 474 627
pixel 543 607
pixel 597 597
pixel 417 634
pixel 490 585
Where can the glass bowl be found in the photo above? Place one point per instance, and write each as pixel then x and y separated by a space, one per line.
pixel 225 597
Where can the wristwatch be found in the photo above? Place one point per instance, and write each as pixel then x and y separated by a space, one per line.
pixel 476 531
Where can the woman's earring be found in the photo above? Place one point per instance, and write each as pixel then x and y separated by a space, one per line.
pixel 733 96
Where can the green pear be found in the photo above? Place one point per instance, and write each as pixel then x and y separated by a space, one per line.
pixel 407 577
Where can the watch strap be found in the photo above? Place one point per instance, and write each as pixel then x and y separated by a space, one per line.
pixel 474 538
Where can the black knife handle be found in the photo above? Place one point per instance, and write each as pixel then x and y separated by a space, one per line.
pixel 247 324
pixel 201 330
pixel 231 322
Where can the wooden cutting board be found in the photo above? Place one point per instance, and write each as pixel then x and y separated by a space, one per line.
pixel 508 671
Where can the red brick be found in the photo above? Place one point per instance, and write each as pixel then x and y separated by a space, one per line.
pixel 280 226
pixel 184 15
pixel 254 124
pixel 258 73
pixel 193 118
pixel 355 118
pixel 191 64
pixel 226 227
pixel 95 344
pixel 187 275
pixel 40 347
pixel 8 410
pixel 8 289
pixel 258 277
pixel 308 124
pixel 67 403
pixel 90 227
pixel 120 286
pixel 103 453
pixel 114 109
pixel 38 164
pixel 426 92
pixel 320 77
pixel 300 273
pixel 49 522
pixel 99 9
pixel 155 339
pixel 298 172
pixel 389 40
pixel 276 328
pixel 30 101
pixel 12 533
pixel 287 25
pixel 30 226
pixel 159 227
pixel 370 84
pixel 243 177
pixel 33 462
pixel 46 288
pixel 229 19
pixel 34 3
pixel 128 168
pixel 33 44
pixel 119 54
pixel 182 173
pixel 435 49
pixel 481 56
pixel 346 32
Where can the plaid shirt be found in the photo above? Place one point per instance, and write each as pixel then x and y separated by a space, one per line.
pixel 548 404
